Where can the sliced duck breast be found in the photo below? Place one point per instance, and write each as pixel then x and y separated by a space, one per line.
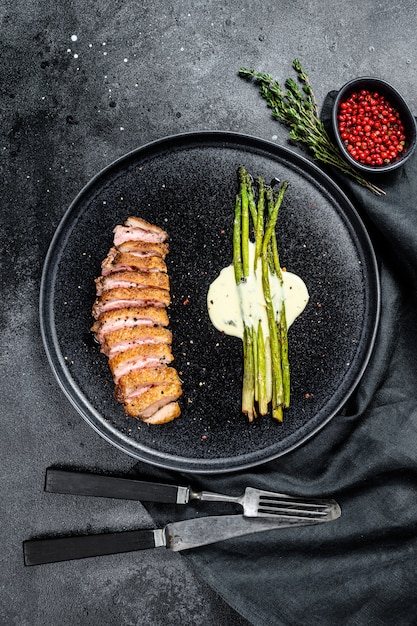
pixel 153 399
pixel 124 338
pixel 126 262
pixel 132 279
pixel 145 355
pixel 131 322
pixel 125 297
pixel 131 317
pixel 130 385
pixel 165 414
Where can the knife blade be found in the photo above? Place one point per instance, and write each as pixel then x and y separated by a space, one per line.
pixel 176 536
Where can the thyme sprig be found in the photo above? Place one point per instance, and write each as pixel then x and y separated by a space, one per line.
pixel 296 107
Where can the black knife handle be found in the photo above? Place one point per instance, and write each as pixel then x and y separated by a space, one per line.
pixel 53 549
pixel 84 484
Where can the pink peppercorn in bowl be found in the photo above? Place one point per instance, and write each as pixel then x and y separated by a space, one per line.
pixel 373 125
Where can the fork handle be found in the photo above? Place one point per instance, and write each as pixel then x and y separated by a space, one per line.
pixel 209 496
pixel 85 484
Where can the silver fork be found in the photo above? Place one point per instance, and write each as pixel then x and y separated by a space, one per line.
pixel 255 502
pixel 260 503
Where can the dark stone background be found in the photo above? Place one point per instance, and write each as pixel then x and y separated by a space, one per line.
pixel 138 71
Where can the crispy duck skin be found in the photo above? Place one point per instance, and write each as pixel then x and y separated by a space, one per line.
pixel 145 355
pixel 164 415
pixel 153 399
pixel 124 338
pixel 144 248
pixel 132 296
pixel 128 318
pixel 131 384
pixel 136 228
pixel 131 279
pixel 126 262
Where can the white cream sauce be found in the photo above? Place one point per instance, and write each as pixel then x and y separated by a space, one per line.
pixel 230 305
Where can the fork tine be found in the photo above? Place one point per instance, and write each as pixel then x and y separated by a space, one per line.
pixel 296 503
pixel 299 513
pixel 270 504
pixel 330 512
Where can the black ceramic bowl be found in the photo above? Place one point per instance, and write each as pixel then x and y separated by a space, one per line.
pixel 391 96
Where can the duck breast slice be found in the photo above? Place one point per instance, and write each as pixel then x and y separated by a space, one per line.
pixel 139 222
pixel 164 415
pixel 132 279
pixel 151 400
pixel 144 248
pixel 124 338
pixel 131 317
pixel 126 262
pixel 131 384
pixel 145 355
pixel 138 229
pixel 133 296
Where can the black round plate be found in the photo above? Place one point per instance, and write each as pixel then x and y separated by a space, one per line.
pixel 187 185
